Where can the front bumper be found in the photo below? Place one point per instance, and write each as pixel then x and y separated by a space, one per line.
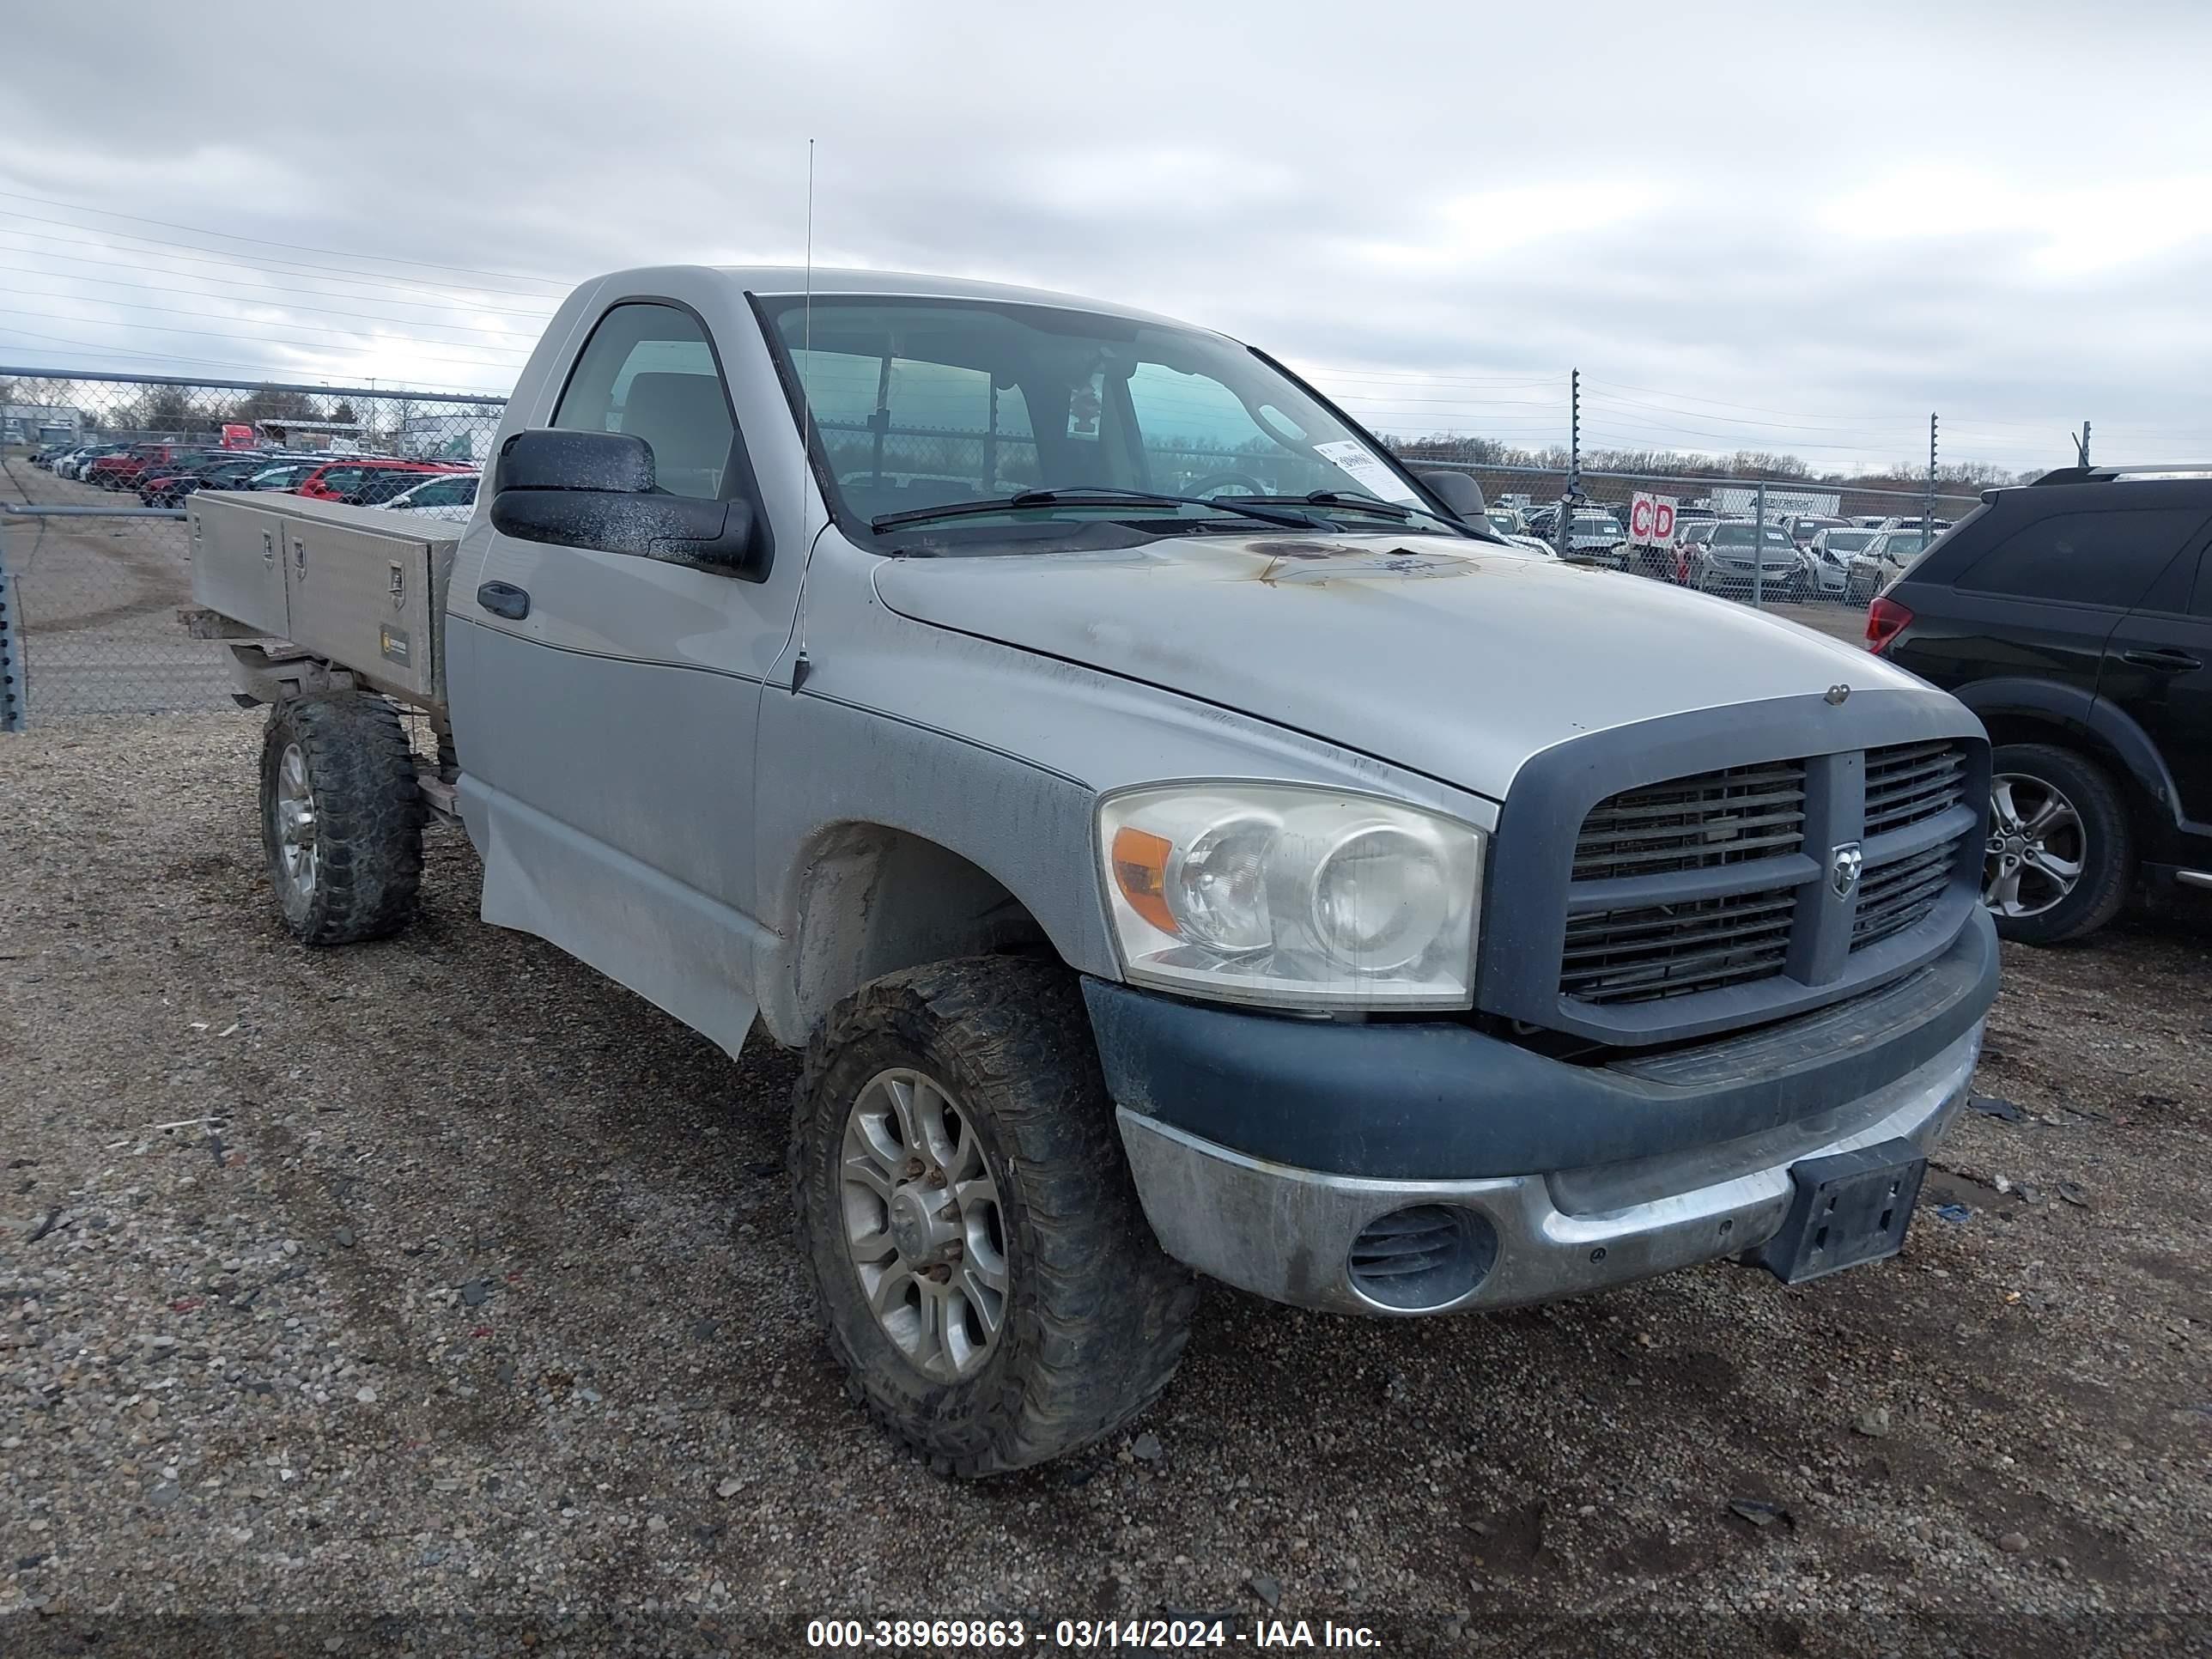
pixel 1263 1149
pixel 1288 1234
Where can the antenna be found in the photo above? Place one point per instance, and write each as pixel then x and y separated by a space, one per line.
pixel 806 336
pixel 798 663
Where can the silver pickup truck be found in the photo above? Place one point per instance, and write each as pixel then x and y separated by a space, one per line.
pixel 1180 836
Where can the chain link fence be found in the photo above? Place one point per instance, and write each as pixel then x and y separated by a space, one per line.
pixel 94 470
pixel 1819 551
pixel 94 473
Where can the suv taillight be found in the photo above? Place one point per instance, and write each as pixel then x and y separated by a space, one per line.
pixel 1885 620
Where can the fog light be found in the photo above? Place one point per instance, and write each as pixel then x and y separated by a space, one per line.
pixel 1424 1257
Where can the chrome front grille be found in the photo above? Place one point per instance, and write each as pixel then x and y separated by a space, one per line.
pixel 1656 929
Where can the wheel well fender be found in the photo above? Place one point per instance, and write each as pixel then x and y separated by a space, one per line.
pixel 2022 710
pixel 871 900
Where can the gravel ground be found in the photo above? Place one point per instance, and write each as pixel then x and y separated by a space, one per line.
pixel 99 598
pixel 436 1293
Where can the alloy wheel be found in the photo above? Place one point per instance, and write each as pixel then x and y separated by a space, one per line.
pixel 2036 849
pixel 923 1224
pixel 297 830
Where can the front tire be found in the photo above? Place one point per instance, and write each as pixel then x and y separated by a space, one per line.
pixel 2061 850
pixel 979 1261
pixel 341 817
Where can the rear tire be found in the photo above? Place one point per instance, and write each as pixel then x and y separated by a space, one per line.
pixel 1000 1163
pixel 2065 811
pixel 341 817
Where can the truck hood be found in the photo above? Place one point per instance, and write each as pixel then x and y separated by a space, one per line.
pixel 1453 658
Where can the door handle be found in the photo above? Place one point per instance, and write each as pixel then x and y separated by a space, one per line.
pixel 2171 662
pixel 504 600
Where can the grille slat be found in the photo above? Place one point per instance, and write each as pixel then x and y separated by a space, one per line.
pixel 1621 956
pixel 1695 822
pixel 1613 932
pixel 1896 896
pixel 1644 949
pixel 1908 782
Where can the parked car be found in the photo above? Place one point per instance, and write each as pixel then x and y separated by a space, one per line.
pixel 1339 902
pixel 284 475
pixel 1828 560
pixel 1506 520
pixel 123 469
pixel 1885 556
pixel 79 460
pixel 1595 536
pixel 1718 558
pixel 2074 616
pixel 383 484
pixel 1803 526
pixel 452 498
pixel 229 472
pixel 341 476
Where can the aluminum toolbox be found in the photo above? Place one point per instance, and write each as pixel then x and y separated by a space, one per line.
pixel 358 587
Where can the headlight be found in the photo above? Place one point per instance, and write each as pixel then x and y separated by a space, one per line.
pixel 1291 897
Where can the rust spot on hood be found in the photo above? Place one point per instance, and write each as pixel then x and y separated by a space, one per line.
pixel 1316 564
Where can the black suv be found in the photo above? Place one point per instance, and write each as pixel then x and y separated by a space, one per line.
pixel 2073 615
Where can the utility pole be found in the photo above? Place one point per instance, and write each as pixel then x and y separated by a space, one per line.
pixel 1928 512
pixel 1759 550
pixel 1562 520
pixel 2082 447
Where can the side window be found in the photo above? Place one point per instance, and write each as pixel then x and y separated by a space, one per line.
pixel 647 370
pixel 2106 558
pixel 453 492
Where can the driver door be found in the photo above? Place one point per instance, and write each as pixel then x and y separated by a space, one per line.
pixel 604 704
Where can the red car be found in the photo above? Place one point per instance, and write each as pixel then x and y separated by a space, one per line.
pixel 123 471
pixel 346 475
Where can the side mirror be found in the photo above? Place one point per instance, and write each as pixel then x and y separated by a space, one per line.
pixel 596 489
pixel 1460 494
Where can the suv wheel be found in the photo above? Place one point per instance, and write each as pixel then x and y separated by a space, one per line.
pixel 979 1260
pixel 2060 851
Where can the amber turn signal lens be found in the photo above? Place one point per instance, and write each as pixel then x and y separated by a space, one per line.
pixel 1140 870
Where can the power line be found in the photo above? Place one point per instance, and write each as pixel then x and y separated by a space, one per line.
pixel 262 241
pixel 241 300
pixel 1621 404
pixel 219 256
pixel 260 326
pixel 131 352
pixel 216 334
pixel 234 265
pixel 258 370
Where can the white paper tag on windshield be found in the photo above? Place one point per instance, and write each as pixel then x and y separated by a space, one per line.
pixel 1356 462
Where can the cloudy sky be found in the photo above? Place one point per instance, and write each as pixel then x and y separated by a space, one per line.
pixel 1767 227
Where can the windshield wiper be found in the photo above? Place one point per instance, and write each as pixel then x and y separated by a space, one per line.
pixel 1340 499
pixel 1091 496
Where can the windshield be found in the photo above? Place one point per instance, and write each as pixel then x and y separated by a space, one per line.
pixel 1902 547
pixel 1846 541
pixel 919 404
